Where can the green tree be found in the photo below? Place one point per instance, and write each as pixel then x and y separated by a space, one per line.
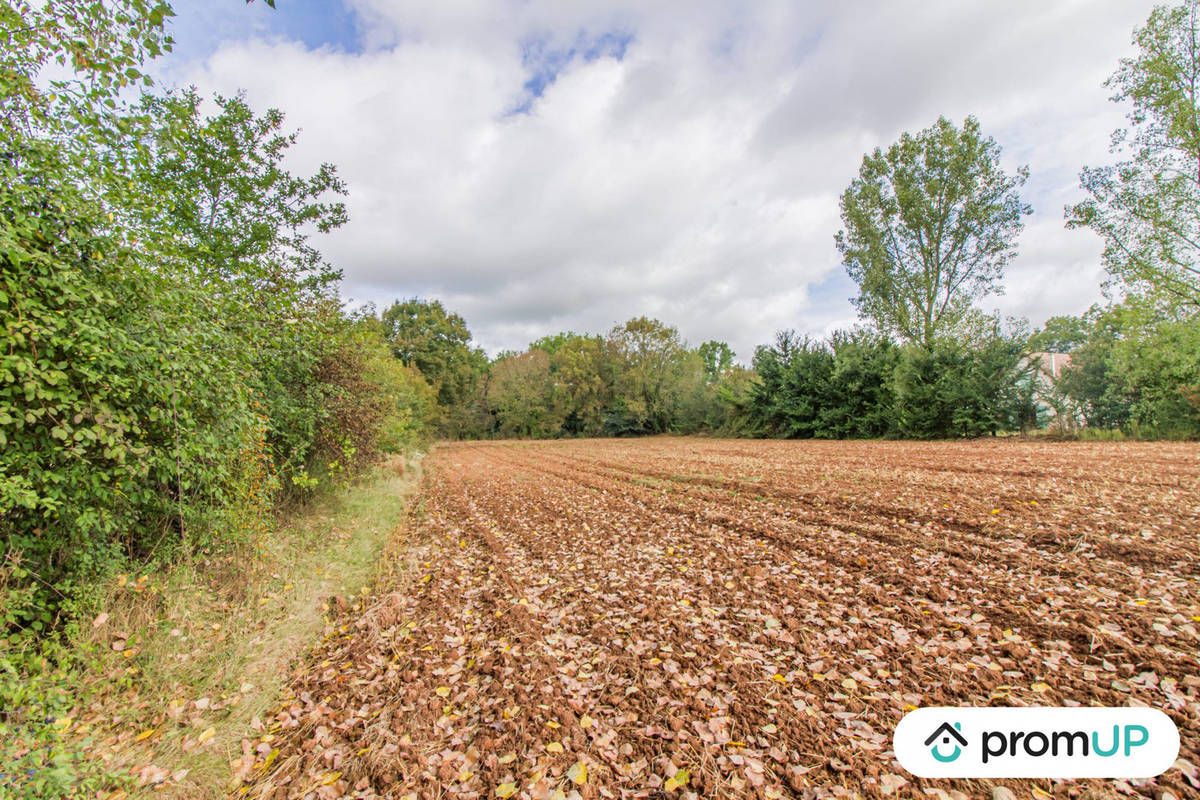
pixel 424 334
pixel 929 227
pixel 1144 206
pixel 241 220
pixel 860 397
pixel 437 342
pixel 649 359
pixel 521 392
pixel 717 358
pixel 583 374
pixel 1139 370
pixel 1059 335
pixel 239 224
pixel 793 385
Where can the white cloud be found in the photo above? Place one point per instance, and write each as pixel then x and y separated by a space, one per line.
pixel 696 177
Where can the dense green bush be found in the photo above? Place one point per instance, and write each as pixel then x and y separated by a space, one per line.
pixel 860 385
pixel 175 362
pixel 1138 370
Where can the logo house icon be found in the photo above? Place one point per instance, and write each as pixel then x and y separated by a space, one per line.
pixel 946 732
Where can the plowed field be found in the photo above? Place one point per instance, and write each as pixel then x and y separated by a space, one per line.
pixel 683 617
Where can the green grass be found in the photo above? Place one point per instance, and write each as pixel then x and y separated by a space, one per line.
pixel 213 645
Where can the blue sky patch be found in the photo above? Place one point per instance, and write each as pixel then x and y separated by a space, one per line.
pixel 200 27
pixel 544 61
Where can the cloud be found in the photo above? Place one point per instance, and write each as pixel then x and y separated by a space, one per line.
pixel 543 166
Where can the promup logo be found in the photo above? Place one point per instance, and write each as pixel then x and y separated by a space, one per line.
pixel 1036 742
pixel 945 732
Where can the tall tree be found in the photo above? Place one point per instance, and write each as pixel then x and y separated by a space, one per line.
pixel 717 358
pixel 650 358
pixel 929 227
pixel 1145 206
pixel 583 373
pixel 522 394
pixel 437 342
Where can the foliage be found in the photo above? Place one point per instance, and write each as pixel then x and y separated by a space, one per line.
pixel 1139 370
pixel 36 757
pixel 521 393
pixel 649 360
pixel 239 227
pixel 1144 206
pixel 583 379
pixel 371 403
pixel 437 342
pixel 169 332
pixel 1059 335
pixel 717 358
pixel 929 226
pixel 954 390
pixel 793 378
pixel 860 395
pixel 861 385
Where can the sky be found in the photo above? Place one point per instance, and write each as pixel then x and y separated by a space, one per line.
pixel 542 166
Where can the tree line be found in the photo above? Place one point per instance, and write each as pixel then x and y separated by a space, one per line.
pixel 929 225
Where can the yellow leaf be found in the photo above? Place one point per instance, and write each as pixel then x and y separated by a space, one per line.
pixel 144 735
pixel 330 778
pixel 850 684
pixel 506 789
pixel 208 733
pixel 554 747
pixel 511 711
pixel 578 773
pixel 1040 687
pixel 585 721
pixel 553 724
pixel 464 775
pixel 507 758
pixel 670 785
pixel 779 678
pixel 682 777
pixel 62 723
pixel 442 691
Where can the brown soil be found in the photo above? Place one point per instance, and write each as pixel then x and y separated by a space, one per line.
pixel 757 614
